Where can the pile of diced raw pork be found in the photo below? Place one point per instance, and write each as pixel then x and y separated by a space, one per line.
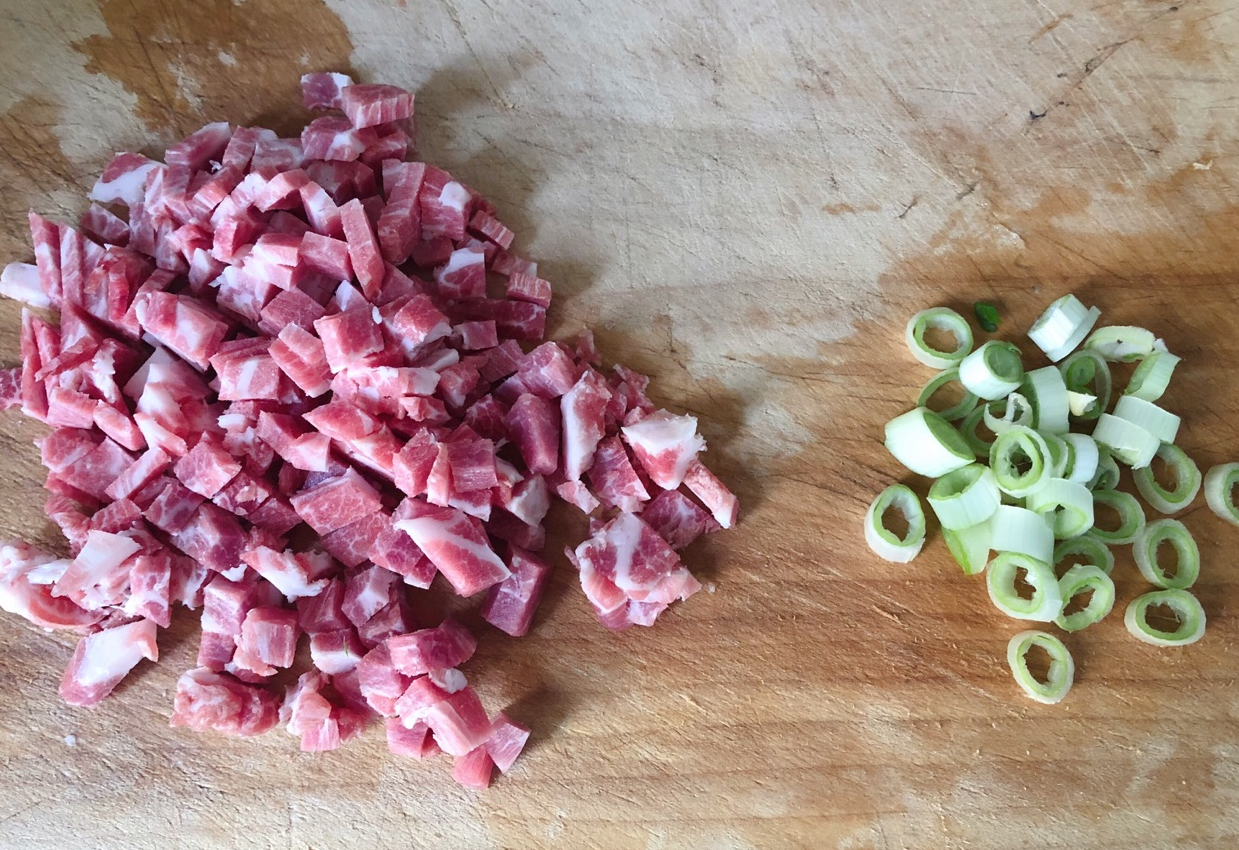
pixel 292 382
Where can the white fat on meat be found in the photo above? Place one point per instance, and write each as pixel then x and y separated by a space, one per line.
pixel 20 281
pixel 112 653
pixel 665 444
pixel 454 196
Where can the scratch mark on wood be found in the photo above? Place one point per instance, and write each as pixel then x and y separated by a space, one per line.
pixel 908 208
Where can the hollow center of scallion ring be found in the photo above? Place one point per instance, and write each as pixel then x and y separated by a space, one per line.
pixel 1106 517
pixel 1003 362
pixel 1166 556
pixel 946 396
pixel 895 521
pixel 1038 661
pixel 940 339
pixel 1021 463
pixel 1164 473
pixel 1022 588
pixel 1162 617
pixel 1079 602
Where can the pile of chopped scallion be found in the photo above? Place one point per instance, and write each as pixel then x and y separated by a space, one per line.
pixel 1027 496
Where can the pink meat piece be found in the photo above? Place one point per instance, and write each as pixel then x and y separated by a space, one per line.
pixel 524 287
pixel 123 180
pixel 282 192
pixel 337 502
pixel 71 409
pixel 515 319
pixel 419 652
pixel 507 739
pixel 121 515
pixel 323 612
pixel 445 206
pixel 290 307
pixel 433 250
pixel 322 90
pixel 103 226
pixel 20 281
pixel 399 224
pixel 627 561
pixel 173 507
pixel 249 375
pixel 35 602
pixel 342 421
pixel 200 147
pixel 333 138
pixel 459 722
pixel 363 249
pixel 72 266
pixel 219 702
pixel 534 426
pixel 150 580
pixel 414 321
pixel 213 537
pixel 215 651
pixel 294 574
pixel 269 634
pixel 348 337
pixel 367 592
pixel 501 361
pixel 582 408
pixel 613 478
pixel 490 228
pixel 488 416
pixel 97 468
pixel 323 214
pixel 713 493
pixel 511 604
pixel 225 604
pixel 419 697
pixel 336 652
pixel 184 325
pixel 103 659
pixel 548 371
pixel 472 464
pixel 508 264
pixel 477 336
pixel 457 382
pixel 301 356
pixel 275 515
pixel 372 104
pixel 243 144
pixel 665 445
pixel 243 494
pixel 352 543
pixel 676 518
pixel 327 254
pixel 415 742
pixel 578 494
pixel 463 275
pixel 379 680
pixel 474 769
pixel 395 618
pixel 273 155
pixel 529 500
pixel 456 543
pixel 396 551
pixel 207 467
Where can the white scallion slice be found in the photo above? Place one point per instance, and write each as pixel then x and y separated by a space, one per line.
pixel 955 411
pixel 1148 543
pixel 888 545
pixel 941 319
pixel 1016 411
pixel 992 371
pixel 1020 459
pixel 1000 577
pixel 1220 491
pixel 1062 670
pixel 1087 373
pixel 1085 549
pixel 1069 506
pixel 1131 517
pixel 1062 327
pixel 1021 531
pixel 1186 609
pixel 1080 405
pixel 1107 475
pixel 965 497
pixel 1060 454
pixel 1078 579
pixel 970 426
pixel 925 443
pixel 1084 458
pixel 1184 475
pixel 1152 376
pixel 1047 393
pixel 969 547
pixel 1127 441
pixel 1162 424
pixel 1121 344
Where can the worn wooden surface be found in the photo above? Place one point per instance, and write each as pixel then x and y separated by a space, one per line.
pixel 745 200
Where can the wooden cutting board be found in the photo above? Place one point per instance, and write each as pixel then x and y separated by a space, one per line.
pixel 746 201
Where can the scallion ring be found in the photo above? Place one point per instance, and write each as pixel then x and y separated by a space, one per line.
pixel 1020 459
pixel 1078 579
pixel 925 443
pixel 1015 411
pixel 1186 609
pixel 1152 376
pixel 1085 549
pixel 1062 327
pixel 1162 424
pixel 888 545
pixel 1084 458
pixel 1220 491
pixel 1081 405
pixel 1087 373
pixel 969 547
pixel 1131 517
pixel 1127 441
pixel 1024 532
pixel 942 319
pixel 970 427
pixel 1068 504
pixel 1121 344
pixel 1000 576
pixel 1060 454
pixel 1062 668
pixel 992 371
pixel 965 497
pixel 1148 543
pixel 955 411
pixel 1047 393
pixel 1184 475
pixel 1107 475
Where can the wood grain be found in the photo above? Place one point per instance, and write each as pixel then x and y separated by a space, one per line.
pixel 745 200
